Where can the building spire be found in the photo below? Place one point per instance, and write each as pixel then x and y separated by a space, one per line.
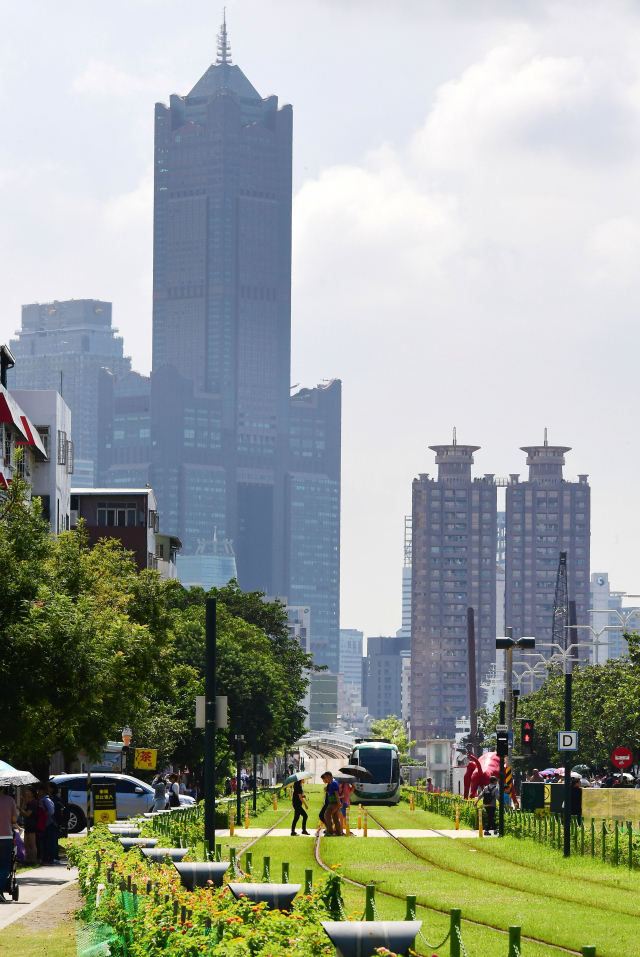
pixel 545 438
pixel 224 47
pixel 455 437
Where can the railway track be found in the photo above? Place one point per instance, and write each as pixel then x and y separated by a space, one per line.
pixel 429 907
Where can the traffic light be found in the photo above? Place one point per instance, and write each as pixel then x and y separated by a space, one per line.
pixel 502 744
pixel 527 736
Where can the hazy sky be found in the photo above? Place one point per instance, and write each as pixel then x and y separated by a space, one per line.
pixel 466 224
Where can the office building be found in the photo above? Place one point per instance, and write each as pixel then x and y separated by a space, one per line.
pixel 610 617
pixel 231 450
pixel 323 702
pixel 382 676
pixel 454 568
pixel 63 346
pixel 545 515
pixel 351 658
pixel 405 631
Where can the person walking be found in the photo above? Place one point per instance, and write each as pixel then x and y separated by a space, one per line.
pixel 8 817
pixel 346 790
pixel 536 777
pixel 489 796
pixel 49 838
pixel 300 808
pixel 174 791
pixel 159 793
pixel 332 816
pixel 29 814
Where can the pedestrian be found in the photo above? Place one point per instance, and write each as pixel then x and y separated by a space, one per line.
pixel 536 777
pixel 60 818
pixel 159 793
pixel 174 791
pixel 346 790
pixel 430 787
pixel 300 808
pixel 332 816
pixel 29 814
pixel 489 796
pixel 49 836
pixel 325 804
pixel 8 817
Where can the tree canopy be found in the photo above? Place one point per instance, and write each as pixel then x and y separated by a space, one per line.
pixel 605 710
pixel 394 730
pixel 90 644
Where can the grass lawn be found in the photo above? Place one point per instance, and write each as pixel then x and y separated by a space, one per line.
pixel 401 817
pixel 60 941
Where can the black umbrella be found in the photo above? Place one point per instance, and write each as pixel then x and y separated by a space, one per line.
pixel 356 770
pixel 344 778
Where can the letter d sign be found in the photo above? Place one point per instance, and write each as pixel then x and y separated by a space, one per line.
pixel 567 740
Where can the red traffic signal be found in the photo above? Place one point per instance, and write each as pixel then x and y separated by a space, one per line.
pixel 527 736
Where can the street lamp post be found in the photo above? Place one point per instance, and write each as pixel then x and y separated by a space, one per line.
pixel 210 724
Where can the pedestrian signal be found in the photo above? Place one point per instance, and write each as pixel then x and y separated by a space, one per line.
pixel 502 744
pixel 527 736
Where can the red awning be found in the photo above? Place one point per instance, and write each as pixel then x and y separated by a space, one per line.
pixel 11 413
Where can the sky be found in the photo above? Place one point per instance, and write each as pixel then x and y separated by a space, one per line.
pixel 466 225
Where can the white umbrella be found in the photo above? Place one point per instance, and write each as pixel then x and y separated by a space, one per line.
pixel 9 775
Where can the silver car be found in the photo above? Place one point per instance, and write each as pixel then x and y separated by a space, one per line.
pixel 133 797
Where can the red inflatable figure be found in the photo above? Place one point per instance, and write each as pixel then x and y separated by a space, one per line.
pixel 478 772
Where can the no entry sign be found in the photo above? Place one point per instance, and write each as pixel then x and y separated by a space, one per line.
pixel 622 758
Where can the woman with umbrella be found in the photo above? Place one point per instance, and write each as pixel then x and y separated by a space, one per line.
pixel 298 799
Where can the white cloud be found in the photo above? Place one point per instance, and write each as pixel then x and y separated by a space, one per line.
pixel 104 79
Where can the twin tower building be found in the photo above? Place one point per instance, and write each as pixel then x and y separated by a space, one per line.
pixel 456 565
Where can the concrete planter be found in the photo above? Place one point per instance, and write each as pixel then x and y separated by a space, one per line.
pixel 199 874
pixel 362 938
pixel 276 896
pixel 141 842
pixel 158 854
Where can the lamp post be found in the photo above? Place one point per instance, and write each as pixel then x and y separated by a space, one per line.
pixel 126 741
pixel 508 643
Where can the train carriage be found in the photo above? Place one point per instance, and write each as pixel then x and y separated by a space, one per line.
pixel 382 759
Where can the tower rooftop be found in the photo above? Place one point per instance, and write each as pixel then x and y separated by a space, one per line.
pixel 223 74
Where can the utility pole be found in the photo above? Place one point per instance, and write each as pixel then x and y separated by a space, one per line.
pixel 568 755
pixel 501 791
pixel 255 767
pixel 210 725
pixel 239 740
pixel 506 707
pixel 473 679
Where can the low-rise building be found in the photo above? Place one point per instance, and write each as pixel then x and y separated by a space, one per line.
pixel 129 515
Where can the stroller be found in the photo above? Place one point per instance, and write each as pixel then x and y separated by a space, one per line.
pixel 12 887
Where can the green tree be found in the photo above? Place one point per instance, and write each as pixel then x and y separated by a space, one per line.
pixel 605 711
pixel 394 730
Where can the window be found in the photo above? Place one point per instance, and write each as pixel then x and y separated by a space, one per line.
pixel 145 433
pixel 62 447
pixel 70 457
pixel 116 514
pixel 118 435
pixel 45 437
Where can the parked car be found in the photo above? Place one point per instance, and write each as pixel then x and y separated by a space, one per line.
pixel 132 796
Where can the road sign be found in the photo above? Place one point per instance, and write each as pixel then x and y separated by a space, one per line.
pixel 104 803
pixel 622 758
pixel 567 740
pixel 502 727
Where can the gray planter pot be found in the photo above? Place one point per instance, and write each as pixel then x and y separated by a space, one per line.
pixel 125 831
pixel 198 874
pixel 158 854
pixel 276 896
pixel 362 938
pixel 141 842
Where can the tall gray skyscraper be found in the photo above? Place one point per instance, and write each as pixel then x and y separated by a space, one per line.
pixel 63 346
pixel 545 515
pixel 233 455
pixel 454 568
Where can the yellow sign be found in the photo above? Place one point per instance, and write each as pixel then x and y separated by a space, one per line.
pixel 145 758
pixel 104 803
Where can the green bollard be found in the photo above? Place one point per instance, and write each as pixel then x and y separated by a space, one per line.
pixel 593 838
pixel 514 942
pixel 411 907
pixel 266 869
pixel 630 830
pixel 616 833
pixel 604 841
pixel 248 862
pixel 589 951
pixel 582 838
pixel 232 859
pixel 285 872
pixel 218 852
pixel 370 891
pixel 454 932
pixel 308 881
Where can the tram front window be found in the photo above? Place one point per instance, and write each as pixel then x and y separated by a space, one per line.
pixel 378 762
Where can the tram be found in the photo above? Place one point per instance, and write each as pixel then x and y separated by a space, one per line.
pixel 382 759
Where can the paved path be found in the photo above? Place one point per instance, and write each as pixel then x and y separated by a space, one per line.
pixel 36 886
pixel 253 832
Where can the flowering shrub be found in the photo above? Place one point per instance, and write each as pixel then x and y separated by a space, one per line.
pixel 189 922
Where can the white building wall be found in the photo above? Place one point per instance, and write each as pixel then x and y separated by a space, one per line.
pixel 47 410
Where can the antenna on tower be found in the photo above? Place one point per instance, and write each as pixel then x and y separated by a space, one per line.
pixel 455 440
pixel 224 47
pixel 545 438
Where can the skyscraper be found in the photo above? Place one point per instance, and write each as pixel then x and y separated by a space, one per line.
pixel 63 346
pixel 454 568
pixel 233 456
pixel 545 515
